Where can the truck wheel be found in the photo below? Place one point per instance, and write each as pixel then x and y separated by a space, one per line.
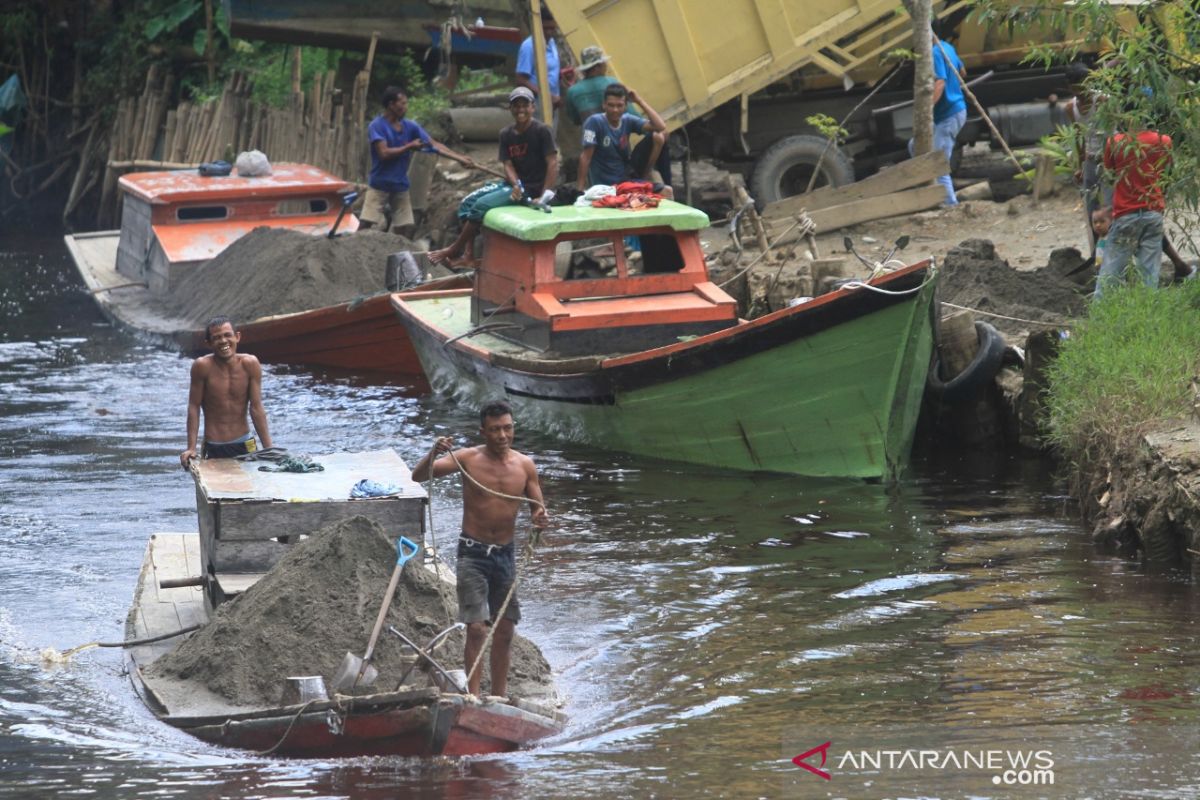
pixel 786 166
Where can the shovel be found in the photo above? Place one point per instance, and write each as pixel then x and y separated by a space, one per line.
pixel 347 201
pixel 356 671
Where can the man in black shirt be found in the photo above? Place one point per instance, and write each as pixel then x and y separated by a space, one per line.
pixel 530 161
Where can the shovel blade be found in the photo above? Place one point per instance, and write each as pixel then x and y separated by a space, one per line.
pixel 353 672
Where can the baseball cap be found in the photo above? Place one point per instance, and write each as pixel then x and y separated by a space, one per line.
pixel 590 57
pixel 520 93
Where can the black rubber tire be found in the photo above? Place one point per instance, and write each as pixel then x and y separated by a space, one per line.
pixel 776 175
pixel 982 368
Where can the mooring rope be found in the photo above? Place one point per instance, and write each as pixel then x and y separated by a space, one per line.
pixel 1053 324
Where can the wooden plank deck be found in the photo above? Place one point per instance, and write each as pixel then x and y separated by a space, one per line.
pixel 228 479
pixel 156 610
pixel 131 306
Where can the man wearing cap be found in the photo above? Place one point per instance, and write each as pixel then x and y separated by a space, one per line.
pixel 527 69
pixel 393 140
pixel 530 161
pixel 586 97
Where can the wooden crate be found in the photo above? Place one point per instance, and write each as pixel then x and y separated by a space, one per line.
pixel 249 518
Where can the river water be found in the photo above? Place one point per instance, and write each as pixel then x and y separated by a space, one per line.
pixel 705 627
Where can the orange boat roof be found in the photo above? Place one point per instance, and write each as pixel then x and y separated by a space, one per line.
pixel 186 185
pixel 200 241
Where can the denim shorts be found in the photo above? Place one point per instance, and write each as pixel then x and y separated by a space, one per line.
pixel 485 574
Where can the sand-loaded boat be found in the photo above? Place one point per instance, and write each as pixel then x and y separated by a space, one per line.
pixel 176 222
pixel 650 357
pixel 287 576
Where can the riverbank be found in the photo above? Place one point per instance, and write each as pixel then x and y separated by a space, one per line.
pixel 1123 402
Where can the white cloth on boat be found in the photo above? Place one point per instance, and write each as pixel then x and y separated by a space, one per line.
pixel 595 193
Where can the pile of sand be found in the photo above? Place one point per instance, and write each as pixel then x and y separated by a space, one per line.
pixel 277 271
pixel 973 276
pixel 320 602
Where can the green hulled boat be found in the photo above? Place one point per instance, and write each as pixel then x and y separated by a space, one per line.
pixel 653 360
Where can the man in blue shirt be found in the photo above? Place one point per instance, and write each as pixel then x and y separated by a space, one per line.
pixel 586 97
pixel 393 140
pixel 606 157
pixel 949 106
pixel 527 69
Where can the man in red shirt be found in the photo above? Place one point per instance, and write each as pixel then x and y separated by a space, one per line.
pixel 1137 164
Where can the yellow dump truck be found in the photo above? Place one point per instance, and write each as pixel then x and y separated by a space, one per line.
pixel 740 77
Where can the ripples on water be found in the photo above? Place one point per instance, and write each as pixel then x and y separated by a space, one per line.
pixel 699 621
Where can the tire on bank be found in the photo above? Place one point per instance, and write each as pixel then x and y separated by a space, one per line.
pixel 786 167
pixel 983 368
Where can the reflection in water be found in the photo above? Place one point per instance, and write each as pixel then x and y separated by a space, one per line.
pixel 698 620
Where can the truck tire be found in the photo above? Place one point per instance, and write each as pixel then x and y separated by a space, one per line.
pixel 786 166
pixel 981 370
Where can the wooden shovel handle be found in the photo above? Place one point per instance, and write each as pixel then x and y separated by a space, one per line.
pixel 383 609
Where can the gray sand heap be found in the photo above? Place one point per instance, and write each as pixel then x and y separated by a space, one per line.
pixel 278 271
pixel 973 276
pixel 320 602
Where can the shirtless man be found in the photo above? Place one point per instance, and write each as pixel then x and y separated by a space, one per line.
pixel 225 384
pixel 486 563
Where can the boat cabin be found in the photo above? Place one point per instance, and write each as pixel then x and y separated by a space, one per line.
pixel 564 283
pixel 173 221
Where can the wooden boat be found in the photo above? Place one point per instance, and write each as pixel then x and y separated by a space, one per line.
pixel 653 359
pixel 354 24
pixel 241 510
pixel 175 221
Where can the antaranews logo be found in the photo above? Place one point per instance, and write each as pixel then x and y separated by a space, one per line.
pixel 1008 767
pixel 823 749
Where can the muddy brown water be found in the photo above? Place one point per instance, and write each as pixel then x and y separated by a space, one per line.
pixel 705 627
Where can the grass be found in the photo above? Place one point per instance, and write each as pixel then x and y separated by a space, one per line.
pixel 1129 363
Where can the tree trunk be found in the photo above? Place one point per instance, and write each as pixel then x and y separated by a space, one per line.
pixel 921 12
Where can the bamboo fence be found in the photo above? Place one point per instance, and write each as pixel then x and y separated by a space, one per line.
pixel 324 127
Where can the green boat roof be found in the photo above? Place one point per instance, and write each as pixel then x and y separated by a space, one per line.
pixel 531 225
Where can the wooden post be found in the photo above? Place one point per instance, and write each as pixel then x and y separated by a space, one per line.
pixel 957 342
pixel 539 60
pixel 297 72
pixel 209 49
pixel 1043 177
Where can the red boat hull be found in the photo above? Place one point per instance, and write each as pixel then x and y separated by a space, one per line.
pixel 449 726
pixel 361 336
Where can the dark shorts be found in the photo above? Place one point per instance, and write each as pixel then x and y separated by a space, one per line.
pixel 238 447
pixel 484 579
pixel 641 155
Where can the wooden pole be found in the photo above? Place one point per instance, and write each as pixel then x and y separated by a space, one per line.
pixel 209 49
pixel 539 60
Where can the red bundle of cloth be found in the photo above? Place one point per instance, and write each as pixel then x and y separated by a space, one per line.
pixel 633 196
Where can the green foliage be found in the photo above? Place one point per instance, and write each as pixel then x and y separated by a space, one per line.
pixel 828 127
pixel 170 18
pixel 1130 362
pixel 1146 69
pixel 4 129
pixel 1063 146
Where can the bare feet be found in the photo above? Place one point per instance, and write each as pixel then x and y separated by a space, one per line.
pixel 438 256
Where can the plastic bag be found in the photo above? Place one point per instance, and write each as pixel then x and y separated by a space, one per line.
pixel 253 163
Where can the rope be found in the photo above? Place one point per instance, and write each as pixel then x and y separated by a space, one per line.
pixel 802 219
pixel 1054 324
pixel 432 549
pixel 892 292
pixel 49 654
pixel 288 732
